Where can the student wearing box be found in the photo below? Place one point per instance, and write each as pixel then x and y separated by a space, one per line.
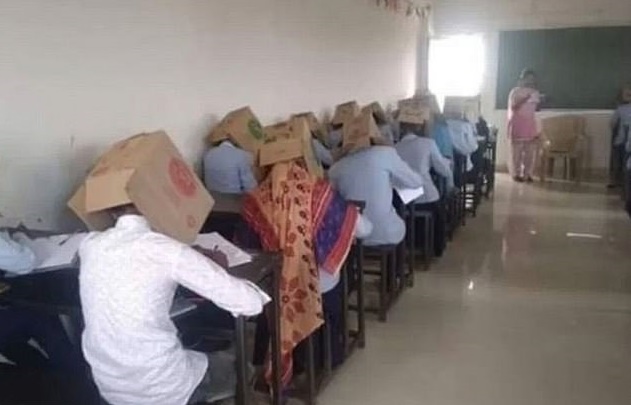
pixel 297 212
pixel 422 154
pixel 369 171
pixel 130 272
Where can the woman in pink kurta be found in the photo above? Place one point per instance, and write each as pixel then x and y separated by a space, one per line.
pixel 523 103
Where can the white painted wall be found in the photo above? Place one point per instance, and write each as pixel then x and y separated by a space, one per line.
pixel 76 75
pixel 491 16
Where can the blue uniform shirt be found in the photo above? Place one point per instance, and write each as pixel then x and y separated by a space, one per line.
pixel 228 169
pixel 369 175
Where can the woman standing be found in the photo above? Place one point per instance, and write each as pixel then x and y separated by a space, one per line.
pixel 523 103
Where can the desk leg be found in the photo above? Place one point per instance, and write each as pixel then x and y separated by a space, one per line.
pixel 361 314
pixel 242 365
pixel 275 311
pixel 345 292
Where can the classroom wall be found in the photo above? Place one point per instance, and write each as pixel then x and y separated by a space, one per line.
pixel 77 75
pixel 490 16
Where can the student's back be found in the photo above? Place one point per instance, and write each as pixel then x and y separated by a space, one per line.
pixel 228 169
pixel 422 154
pixel 128 279
pixel 369 175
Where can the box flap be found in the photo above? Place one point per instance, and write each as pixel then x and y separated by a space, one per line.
pixel 345 112
pixel 108 190
pixel 96 221
pixel 276 132
pixel 413 111
pixel 375 109
pixel 314 125
pixel 281 150
pixel 242 128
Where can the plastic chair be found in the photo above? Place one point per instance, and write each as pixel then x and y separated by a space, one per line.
pixel 563 137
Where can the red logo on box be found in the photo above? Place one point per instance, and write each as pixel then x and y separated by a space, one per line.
pixel 182 178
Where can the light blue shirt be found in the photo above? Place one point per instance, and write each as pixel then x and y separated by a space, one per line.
pixel 14 257
pixel 323 155
pixel 387 132
pixel 422 154
pixel 440 133
pixel 622 116
pixel 228 169
pixel 369 175
pixel 335 138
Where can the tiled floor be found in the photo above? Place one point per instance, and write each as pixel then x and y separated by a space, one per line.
pixel 531 305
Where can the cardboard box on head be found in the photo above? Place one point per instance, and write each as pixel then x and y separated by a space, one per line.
pixel 241 127
pixel 147 171
pixel 361 132
pixel 345 112
pixel 375 109
pixel 298 146
pixel 314 125
pixel 462 108
pixel 276 132
pixel 413 111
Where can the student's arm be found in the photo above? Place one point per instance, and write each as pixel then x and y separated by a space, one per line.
pixel 14 257
pixel 246 175
pixel 206 278
pixel 441 165
pixel 323 155
pixel 402 174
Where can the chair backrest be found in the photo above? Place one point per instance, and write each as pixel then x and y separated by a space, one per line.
pixel 562 133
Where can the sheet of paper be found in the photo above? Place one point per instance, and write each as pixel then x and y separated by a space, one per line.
pixel 181 306
pixel 236 256
pixel 53 252
pixel 407 195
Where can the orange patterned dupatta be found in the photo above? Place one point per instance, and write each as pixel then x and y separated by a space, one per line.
pixel 280 211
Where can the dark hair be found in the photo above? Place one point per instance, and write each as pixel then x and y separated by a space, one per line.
pixel 337 126
pixel 527 72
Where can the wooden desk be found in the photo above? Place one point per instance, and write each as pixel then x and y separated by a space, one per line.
pixel 57 293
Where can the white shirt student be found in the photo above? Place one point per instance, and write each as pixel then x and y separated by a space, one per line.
pixel 422 154
pixel 228 169
pixel 128 278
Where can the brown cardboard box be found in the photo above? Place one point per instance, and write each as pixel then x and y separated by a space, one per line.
pixel 314 125
pixel 148 171
pixel 462 107
pixel 241 127
pixel 375 109
pixel 413 111
pixel 345 112
pixel 298 146
pixel 275 132
pixel 360 133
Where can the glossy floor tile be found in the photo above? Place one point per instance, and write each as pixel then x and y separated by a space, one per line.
pixel 530 305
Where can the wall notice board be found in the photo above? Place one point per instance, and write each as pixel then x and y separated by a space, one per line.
pixel 577 68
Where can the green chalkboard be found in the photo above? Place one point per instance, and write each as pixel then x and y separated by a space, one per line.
pixel 577 68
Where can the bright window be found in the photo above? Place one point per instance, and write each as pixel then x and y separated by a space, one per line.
pixel 456 66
